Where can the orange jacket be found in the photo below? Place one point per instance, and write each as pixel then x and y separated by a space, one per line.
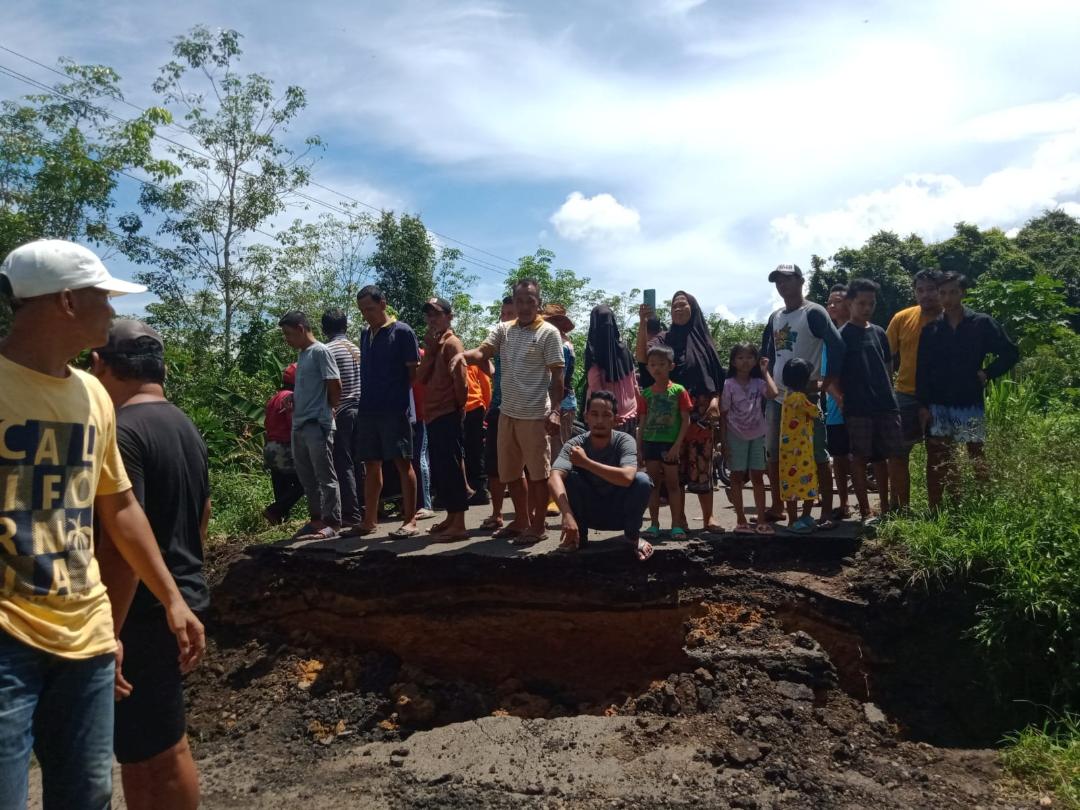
pixel 479 395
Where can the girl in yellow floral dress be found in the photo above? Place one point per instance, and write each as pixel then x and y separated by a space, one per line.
pixel 798 470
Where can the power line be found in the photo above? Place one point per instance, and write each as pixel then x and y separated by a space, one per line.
pixel 311 182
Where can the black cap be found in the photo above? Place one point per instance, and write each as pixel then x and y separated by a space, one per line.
pixel 133 338
pixel 438 303
pixel 785 270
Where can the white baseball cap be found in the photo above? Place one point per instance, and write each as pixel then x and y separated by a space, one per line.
pixel 51 265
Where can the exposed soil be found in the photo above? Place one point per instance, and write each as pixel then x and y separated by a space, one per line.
pixel 729 674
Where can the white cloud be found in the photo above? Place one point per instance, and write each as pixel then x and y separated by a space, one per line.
pixel 930 204
pixel 600 217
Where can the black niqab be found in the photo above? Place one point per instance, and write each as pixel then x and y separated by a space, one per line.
pixel 697 365
pixel 605 348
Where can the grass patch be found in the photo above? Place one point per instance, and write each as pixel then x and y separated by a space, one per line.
pixel 239 497
pixel 1048 759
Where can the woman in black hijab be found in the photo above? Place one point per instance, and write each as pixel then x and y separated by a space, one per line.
pixel 699 370
pixel 609 366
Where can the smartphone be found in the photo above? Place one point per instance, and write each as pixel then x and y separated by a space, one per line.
pixel 650 298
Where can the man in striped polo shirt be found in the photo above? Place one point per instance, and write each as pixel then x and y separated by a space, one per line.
pixel 531 365
pixel 335 324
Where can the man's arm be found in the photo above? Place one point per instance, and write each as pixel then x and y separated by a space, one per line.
pixel 619 476
pixel 473 357
pixel 1007 353
pixel 768 347
pixel 333 393
pixel 892 335
pixel 460 375
pixel 557 489
pixel 556 390
pixel 204 523
pixel 126 524
pixel 821 326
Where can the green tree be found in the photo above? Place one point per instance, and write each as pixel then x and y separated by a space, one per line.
pixel 1052 241
pixel 322 264
pixel 61 155
pixel 557 285
pixel 1030 310
pixel 977 253
pixel 405 262
pixel 238 174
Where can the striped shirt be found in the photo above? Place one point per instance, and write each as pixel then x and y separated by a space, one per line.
pixel 347 357
pixel 526 353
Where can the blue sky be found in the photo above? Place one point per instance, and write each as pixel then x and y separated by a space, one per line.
pixel 666 143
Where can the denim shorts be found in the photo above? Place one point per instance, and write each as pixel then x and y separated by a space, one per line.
pixel 62 708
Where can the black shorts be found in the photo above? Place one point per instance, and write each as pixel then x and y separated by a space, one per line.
pixel 151 719
pixel 383 436
pixel 491 445
pixel 654 451
pixel 909 419
pixel 877 437
pixel 836 440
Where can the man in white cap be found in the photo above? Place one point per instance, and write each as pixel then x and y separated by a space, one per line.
pixel 59 468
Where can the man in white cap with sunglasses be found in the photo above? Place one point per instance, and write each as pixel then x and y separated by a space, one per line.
pixel 59 469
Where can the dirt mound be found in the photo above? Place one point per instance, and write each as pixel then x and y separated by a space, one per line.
pixel 699 682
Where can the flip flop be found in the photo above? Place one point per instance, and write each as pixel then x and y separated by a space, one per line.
pixel 491 523
pixel 449 538
pixel 774 517
pixel 528 539
pixel 400 533
pixel 826 524
pixel 506 533
pixel 652 532
pixel 677 533
pixel 325 533
pixel 765 529
pixel 644 549
pixel 424 514
pixel 304 531
pixel 801 526
pixel 744 528
pixel 356 531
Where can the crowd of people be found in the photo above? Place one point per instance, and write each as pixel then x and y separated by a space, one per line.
pixel 105 484
pixel 829 403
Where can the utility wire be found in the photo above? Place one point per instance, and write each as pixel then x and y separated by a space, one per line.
pixel 311 182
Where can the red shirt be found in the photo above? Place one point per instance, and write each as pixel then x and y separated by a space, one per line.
pixel 278 421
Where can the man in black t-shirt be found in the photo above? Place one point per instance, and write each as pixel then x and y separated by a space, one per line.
pixel 871 412
pixel 595 481
pixel 166 460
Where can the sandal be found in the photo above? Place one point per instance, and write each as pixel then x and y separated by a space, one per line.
pixel 528 539
pixel 424 514
pixel 677 533
pixel 644 549
pixel 303 532
pixel 803 526
pixel 325 533
pixel 402 533
pixel 491 523
pixel 359 530
pixel 744 528
pixel 764 528
pixel 449 538
pixel 506 533
pixel 652 532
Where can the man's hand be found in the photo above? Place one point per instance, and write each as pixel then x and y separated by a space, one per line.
pixel 122 688
pixel 554 423
pixel 924 418
pixel 570 535
pixel 672 455
pixel 578 456
pixel 645 312
pixel 456 361
pixel 190 636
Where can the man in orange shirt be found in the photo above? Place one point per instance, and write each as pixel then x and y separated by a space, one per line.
pixel 903 334
pixel 476 405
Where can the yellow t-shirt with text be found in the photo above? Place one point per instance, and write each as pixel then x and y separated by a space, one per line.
pixel 903 333
pixel 57 453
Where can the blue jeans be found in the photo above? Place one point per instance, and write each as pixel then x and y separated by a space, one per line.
pixel 421 466
pixel 63 709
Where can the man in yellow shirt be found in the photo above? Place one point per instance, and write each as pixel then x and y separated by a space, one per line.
pixel 59 468
pixel 903 333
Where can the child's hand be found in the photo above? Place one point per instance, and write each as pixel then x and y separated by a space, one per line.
pixel 763 364
pixel 672 455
